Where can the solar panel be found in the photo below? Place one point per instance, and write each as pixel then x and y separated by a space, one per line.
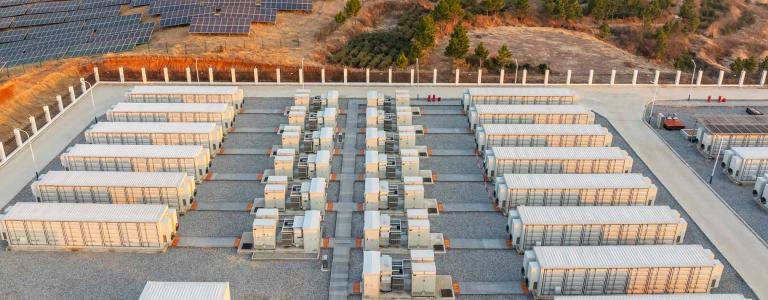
pixel 6 22
pixel 102 3
pixel 41 31
pixel 117 21
pixel 13 11
pixel 94 13
pixel 164 6
pixel 136 3
pixel 140 35
pixel 735 124
pixel 37 55
pixel 101 48
pixel 184 16
pixel 257 14
pixel 5 3
pixel 229 2
pixel 51 7
pixel 13 35
pixel 41 19
pixel 220 24
pixel 294 5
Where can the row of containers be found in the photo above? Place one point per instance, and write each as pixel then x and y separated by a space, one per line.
pixel 123 188
pixel 584 222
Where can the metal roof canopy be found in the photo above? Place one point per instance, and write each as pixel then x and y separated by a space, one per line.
pixel 572 215
pixel 565 109
pixel 184 90
pixel 540 153
pixel 154 151
pixel 85 212
pixel 657 297
pixel 646 256
pixel 532 181
pixel 734 124
pixel 156 290
pixel 532 92
pixel 123 179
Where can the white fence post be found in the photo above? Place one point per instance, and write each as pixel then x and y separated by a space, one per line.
pixel 389 76
pixel 165 74
pixel 720 77
pixel 677 77
pixel 47 112
pixel 656 77
pixel 96 75
pixel 33 124
pixel 277 74
pixel 434 76
pixel 501 77
pixel 412 75
pixel 479 76
pixel 546 77
pixel 82 86
pixel 591 76
pixel 232 73
pixel 143 75
pixel 2 153
pixel 122 74
pixel 762 77
pixel 72 93
pixel 210 74
pixel 525 76
pixel 60 103
pixel 345 75
pixel 634 77
pixel 457 76
pixel 189 75
pixel 701 74
pixel 17 134
pixel 741 78
pixel 613 77
pixel 301 76
pixel 322 75
pixel 255 75
pixel 568 78
pixel 367 76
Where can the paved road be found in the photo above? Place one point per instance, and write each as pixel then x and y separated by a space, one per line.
pixel 623 106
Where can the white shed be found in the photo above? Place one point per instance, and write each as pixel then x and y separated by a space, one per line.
pixel 186 94
pixel 542 135
pixel 518 96
pixel 160 290
pixel 208 135
pixel 218 113
pixel 554 160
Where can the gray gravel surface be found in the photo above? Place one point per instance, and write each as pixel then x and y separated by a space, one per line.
pixel 469 225
pixel 458 192
pixel 451 165
pixel 480 265
pixel 241 164
pixel 260 120
pixel 229 191
pixel 447 141
pixel 442 121
pixel 214 223
pixel 267 103
pixel 258 141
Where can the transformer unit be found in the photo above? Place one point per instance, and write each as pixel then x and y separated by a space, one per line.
pixel 389 142
pixel 389 104
pixel 219 113
pixel 314 165
pixel 514 190
pixel 383 194
pixel 301 98
pixel 290 136
pixel 297 115
pixel 324 100
pixel 186 94
pixel 306 195
pixel 404 278
pixel 518 96
pixel 270 230
pixel 208 135
pixel 745 164
pixel 284 162
pixel 759 191
pixel 381 230
pixel 554 160
pixel 403 115
pixel 322 118
pixel 649 269
pixel 530 226
pixel 381 165
pixel 542 135
pixel 318 140
pixel 529 114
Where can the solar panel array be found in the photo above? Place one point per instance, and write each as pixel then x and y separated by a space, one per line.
pixel 220 24
pixel 207 14
pixel 735 124
pixel 38 30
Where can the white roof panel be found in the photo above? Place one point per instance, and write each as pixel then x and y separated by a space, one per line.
pixel 123 179
pixel 372 262
pixel 751 152
pixel 152 127
pixel 156 290
pixel 160 151
pixel 184 89
pixel 171 107
pixel 657 297
pixel 559 153
pixel 531 109
pixel 562 215
pixel 544 129
pixel 533 181
pixel 520 92
pixel 559 257
pixel 86 212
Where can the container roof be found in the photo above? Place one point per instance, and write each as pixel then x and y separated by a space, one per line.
pixel 159 151
pixel 156 290
pixel 558 153
pixel 121 179
pixel 735 124
pixel 751 152
pixel 520 92
pixel 553 129
pixel 153 127
pixel 559 257
pixel 557 215
pixel 531 109
pixel 170 107
pixel 534 181
pixel 86 212
pixel 657 297
pixel 183 89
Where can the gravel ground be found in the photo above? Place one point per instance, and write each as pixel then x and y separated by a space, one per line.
pixel 251 140
pixel 447 141
pixel 241 164
pixel 451 165
pixel 469 225
pixel 442 121
pixel 458 192
pixel 229 191
pixel 739 197
pixel 260 120
pixel 267 103
pixel 480 265
pixel 214 223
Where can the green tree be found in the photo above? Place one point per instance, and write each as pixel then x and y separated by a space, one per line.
pixel 750 64
pixel 481 53
pixel 689 15
pixel 402 60
pixel 455 8
pixel 599 9
pixel 605 30
pixel 353 7
pixel 340 18
pixel 662 41
pixel 425 31
pixel 764 64
pixel 550 8
pixel 503 56
pixel 442 11
pixel 522 8
pixel 573 9
pixel 493 6
pixel 684 62
pixel 458 45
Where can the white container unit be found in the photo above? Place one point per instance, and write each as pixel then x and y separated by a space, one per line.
pixel 518 96
pixel 658 297
pixel 600 270
pixel 759 191
pixel 208 135
pixel 218 113
pixel 159 290
pixel 542 135
pixel 94 227
pixel 513 190
pixel 530 226
pixel 193 160
pixel 554 160
pixel 186 94
pixel 177 190
pixel 715 134
pixel 745 164
pixel 529 114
